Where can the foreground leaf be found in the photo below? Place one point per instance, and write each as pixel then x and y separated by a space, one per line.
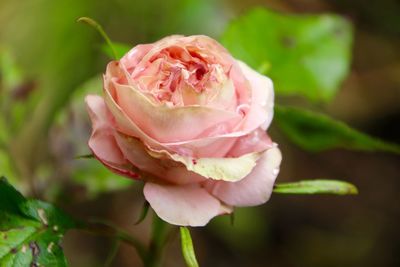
pixel 316 132
pixel 303 55
pixel 187 248
pixel 316 187
pixel 30 230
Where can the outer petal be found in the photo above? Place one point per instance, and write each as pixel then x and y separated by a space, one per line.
pixel 183 170
pixel 261 110
pixel 188 205
pixel 216 146
pixel 124 124
pixel 102 141
pixel 256 188
pixel 230 169
pixel 164 169
pixel 167 124
pixel 255 141
pixel 226 169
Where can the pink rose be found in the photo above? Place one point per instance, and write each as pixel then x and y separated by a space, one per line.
pixel 190 121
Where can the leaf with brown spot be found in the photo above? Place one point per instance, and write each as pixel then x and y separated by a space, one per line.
pixel 26 230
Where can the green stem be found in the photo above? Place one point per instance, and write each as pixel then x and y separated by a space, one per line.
pixel 102 228
pixel 98 27
pixel 113 252
pixel 150 257
pixel 158 239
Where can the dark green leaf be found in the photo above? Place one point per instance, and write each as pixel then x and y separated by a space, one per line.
pixel 303 55
pixel 86 156
pixel 316 132
pixel 187 248
pixel 30 230
pixel 143 213
pixel 320 186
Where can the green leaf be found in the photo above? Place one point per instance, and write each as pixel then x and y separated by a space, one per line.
pixel 30 230
pixel 320 186
pixel 307 55
pixel 120 49
pixel 316 132
pixel 187 248
pixel 143 213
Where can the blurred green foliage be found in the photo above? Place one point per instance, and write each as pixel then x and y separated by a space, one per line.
pixel 73 130
pixel 316 132
pixel 305 55
pixel 247 230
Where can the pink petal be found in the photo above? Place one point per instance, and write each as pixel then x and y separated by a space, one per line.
pixel 102 141
pixel 167 124
pixel 124 124
pixel 261 110
pixel 255 141
pixel 216 146
pixel 135 55
pixel 256 188
pixel 164 169
pixel 186 205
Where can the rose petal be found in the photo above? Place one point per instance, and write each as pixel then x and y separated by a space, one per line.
pixel 102 136
pixel 102 141
pixel 255 141
pixel 256 188
pixel 186 205
pixel 165 169
pixel 124 124
pixel 226 169
pixel 261 111
pixel 216 146
pixel 167 124
pixel 204 45
pixel 135 55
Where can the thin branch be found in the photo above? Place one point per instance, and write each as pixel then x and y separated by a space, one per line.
pixel 98 27
pixel 107 229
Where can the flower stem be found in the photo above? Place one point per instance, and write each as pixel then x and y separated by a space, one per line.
pixel 158 239
pixel 151 257
pixel 113 252
pixel 107 229
pixel 103 34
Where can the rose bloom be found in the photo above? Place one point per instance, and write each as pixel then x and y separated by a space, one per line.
pixel 190 121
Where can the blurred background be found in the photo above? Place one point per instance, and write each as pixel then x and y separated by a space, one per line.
pixel 49 62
